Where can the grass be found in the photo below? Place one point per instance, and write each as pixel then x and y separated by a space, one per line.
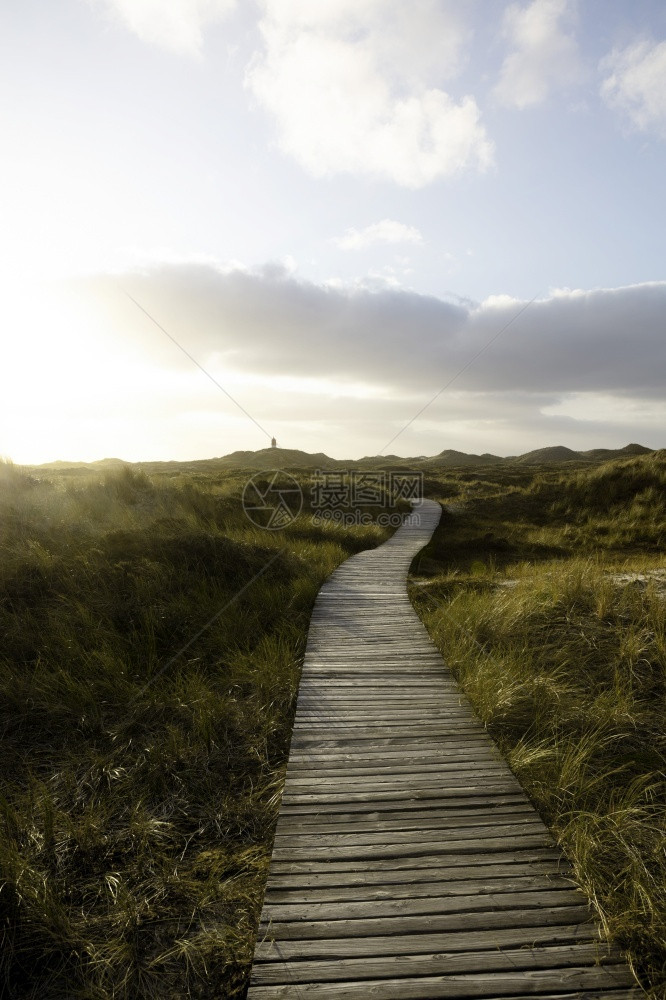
pixel 527 590
pixel 151 653
pixel 152 641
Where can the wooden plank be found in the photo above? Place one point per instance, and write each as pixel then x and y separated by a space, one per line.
pixel 408 862
pixel 313 783
pixel 390 878
pixel 438 753
pixel 365 891
pixel 425 791
pixel 413 848
pixel 580 983
pixel 386 770
pixel 368 778
pixel 438 749
pixel 295 930
pixel 426 836
pixel 404 821
pixel 415 944
pixel 404 742
pixel 455 798
pixel 409 907
pixel 413 720
pixel 431 829
pixel 395 966
pixel 361 736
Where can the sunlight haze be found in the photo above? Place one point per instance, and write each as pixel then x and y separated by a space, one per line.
pixel 336 209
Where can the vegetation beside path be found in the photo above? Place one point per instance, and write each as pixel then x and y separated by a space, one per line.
pixel 546 593
pixel 152 641
pixel 139 784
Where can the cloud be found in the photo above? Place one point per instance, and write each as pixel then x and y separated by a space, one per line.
pixel 176 25
pixel 354 88
pixel 386 231
pixel 334 369
pixel 544 52
pixel 636 84
pixel 269 321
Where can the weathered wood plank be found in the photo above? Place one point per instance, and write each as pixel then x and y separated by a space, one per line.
pixel 511 859
pixel 455 798
pixel 396 794
pixel 394 966
pixel 403 742
pixel 294 930
pixel 376 778
pixel 437 750
pixel 415 944
pixel 384 770
pixel 366 891
pixel 545 983
pixel 435 835
pixel 406 821
pixel 445 754
pixel 410 907
pixel 390 878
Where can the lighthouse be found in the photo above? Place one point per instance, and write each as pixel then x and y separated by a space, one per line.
pixel 273 443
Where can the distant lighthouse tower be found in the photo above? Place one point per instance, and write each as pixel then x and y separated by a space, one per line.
pixel 273 443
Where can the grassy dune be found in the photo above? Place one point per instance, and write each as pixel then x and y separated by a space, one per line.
pixel 547 597
pixel 138 786
pixel 152 640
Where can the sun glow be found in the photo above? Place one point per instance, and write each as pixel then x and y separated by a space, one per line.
pixel 61 377
pixel 83 383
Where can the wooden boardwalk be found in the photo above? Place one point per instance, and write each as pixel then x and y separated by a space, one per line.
pixel 408 863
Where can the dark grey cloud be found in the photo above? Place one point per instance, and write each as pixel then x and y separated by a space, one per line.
pixel 268 321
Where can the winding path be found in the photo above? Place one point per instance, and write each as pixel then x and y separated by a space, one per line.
pixel 408 863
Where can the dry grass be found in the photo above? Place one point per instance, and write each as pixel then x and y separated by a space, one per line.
pixel 139 787
pixel 565 663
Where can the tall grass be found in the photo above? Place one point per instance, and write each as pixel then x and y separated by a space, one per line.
pixel 152 640
pixel 565 663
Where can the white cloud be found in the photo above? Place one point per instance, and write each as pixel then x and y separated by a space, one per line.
pixel 386 231
pixel 636 84
pixel 176 25
pixel 610 409
pixel 354 88
pixel 544 52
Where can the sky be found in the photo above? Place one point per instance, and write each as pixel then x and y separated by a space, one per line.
pixel 359 226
